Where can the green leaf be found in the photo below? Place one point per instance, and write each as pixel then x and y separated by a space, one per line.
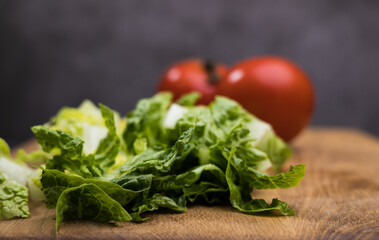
pixel 135 182
pixel 189 99
pixel 68 150
pixel 55 182
pixel 242 179
pixel 160 162
pixel 206 133
pixel 207 181
pixel 36 157
pixel 207 172
pixel 240 139
pixel 241 199
pixel 146 121
pixel 75 120
pixel 277 150
pixel 87 122
pixel 228 115
pixel 13 199
pixel 4 149
pixel 158 201
pixel 283 180
pixel 243 158
pixel 109 146
pixel 140 145
pixel 88 201
pixel 68 146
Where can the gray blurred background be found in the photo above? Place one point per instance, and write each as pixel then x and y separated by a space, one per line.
pixel 56 53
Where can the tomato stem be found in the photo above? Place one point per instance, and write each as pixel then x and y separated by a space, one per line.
pixel 210 68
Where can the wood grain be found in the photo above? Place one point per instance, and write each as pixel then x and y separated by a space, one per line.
pixel 338 199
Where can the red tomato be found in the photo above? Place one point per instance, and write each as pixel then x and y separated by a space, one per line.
pixel 273 89
pixel 193 75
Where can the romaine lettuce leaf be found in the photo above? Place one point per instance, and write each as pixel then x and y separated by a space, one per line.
pixel 84 122
pixel 16 169
pixel 87 123
pixel 13 199
pixel 146 121
pixel 79 198
pixel 4 149
pixel 54 182
pixel 34 158
pixel 109 146
pixel 160 162
pixel 206 181
pixel 240 197
pixel 155 202
pixel 228 114
pixel 88 201
pixel 68 150
pixel 206 133
pixel 189 99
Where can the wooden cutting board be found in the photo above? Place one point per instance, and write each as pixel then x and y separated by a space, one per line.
pixel 337 199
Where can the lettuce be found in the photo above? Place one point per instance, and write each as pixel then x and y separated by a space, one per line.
pixel 227 114
pixel 55 182
pixel 85 122
pixel 68 150
pixel 88 201
pixel 189 99
pixel 17 170
pixel 171 153
pixel 13 199
pixel 4 149
pixel 145 122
